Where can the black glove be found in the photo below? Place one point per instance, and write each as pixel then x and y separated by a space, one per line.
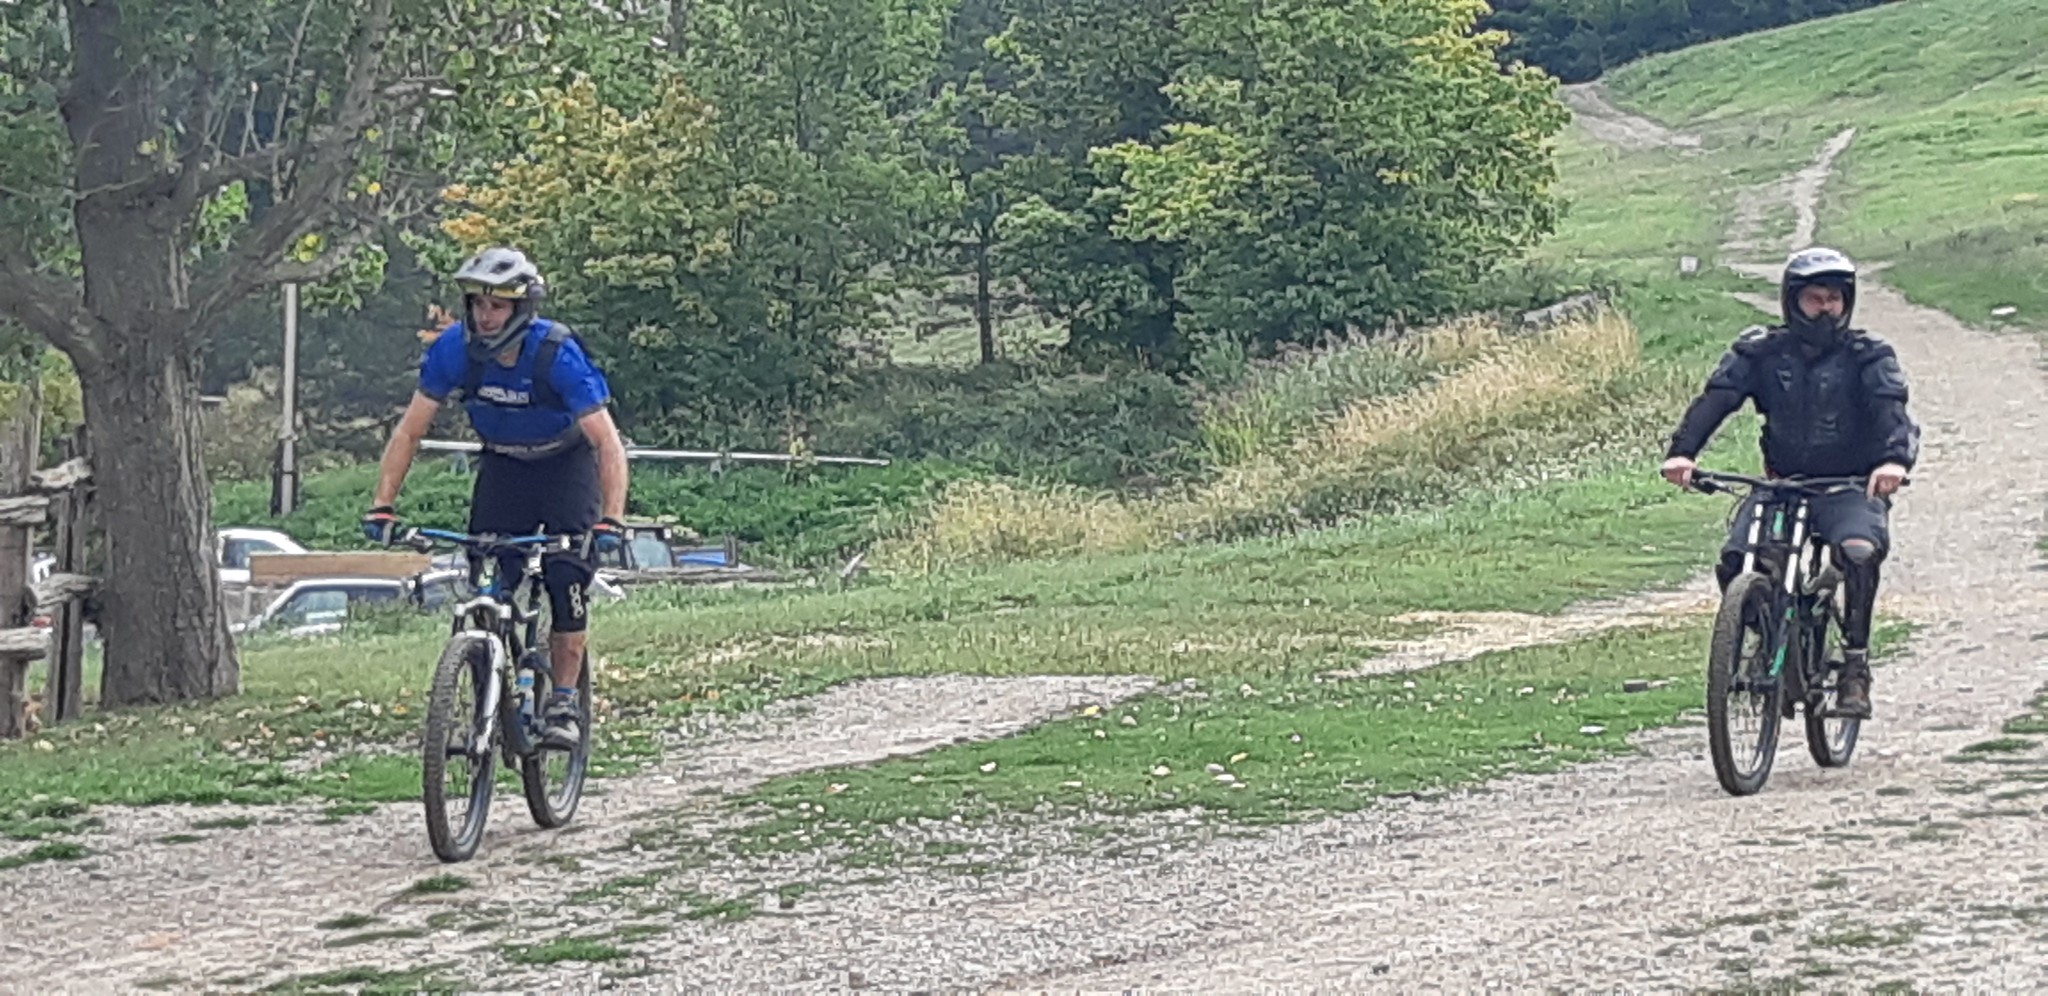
pixel 607 536
pixel 380 525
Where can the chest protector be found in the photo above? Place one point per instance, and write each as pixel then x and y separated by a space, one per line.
pixel 1820 408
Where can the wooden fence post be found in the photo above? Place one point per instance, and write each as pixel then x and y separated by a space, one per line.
pixel 19 437
pixel 64 697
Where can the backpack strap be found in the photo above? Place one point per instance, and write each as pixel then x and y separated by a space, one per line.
pixel 544 364
pixel 544 392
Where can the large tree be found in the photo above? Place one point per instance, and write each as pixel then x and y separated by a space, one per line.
pixel 163 160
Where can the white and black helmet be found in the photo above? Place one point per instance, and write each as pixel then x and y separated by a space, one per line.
pixel 1818 265
pixel 500 272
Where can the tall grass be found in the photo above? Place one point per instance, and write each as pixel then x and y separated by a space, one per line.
pixel 1502 406
pixel 1275 401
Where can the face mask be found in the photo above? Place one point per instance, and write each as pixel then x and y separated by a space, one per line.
pixel 1818 332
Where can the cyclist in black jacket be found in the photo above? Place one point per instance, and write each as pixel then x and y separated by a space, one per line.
pixel 1833 398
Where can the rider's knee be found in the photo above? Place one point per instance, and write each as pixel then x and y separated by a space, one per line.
pixel 1861 552
pixel 568 585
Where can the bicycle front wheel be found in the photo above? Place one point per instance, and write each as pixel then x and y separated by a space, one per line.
pixel 456 764
pixel 1742 696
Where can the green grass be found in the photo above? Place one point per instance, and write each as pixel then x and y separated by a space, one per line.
pixel 46 851
pixel 438 885
pixel 563 949
pixel 1261 748
pixel 368 981
pixel 1947 178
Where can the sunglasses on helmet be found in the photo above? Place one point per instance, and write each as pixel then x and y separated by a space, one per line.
pixel 511 292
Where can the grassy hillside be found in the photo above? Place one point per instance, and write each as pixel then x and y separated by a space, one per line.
pixel 1947 179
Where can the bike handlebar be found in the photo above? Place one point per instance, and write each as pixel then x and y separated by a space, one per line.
pixel 1711 481
pixel 424 540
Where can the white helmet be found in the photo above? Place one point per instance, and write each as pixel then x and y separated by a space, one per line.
pixel 501 272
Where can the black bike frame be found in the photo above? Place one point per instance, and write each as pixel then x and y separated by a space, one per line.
pixel 1785 503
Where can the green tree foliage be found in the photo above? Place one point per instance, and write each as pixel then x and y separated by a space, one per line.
pixel 722 245
pixel 1578 40
pixel 1310 198
pixel 1272 171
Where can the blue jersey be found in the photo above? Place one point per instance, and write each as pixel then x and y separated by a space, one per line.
pixel 506 411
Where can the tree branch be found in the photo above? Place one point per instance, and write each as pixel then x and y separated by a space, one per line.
pixel 334 260
pixel 323 162
pixel 44 305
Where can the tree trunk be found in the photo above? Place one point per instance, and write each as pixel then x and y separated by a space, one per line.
pixel 984 317
pixel 161 610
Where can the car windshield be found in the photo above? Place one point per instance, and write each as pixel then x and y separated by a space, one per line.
pixel 308 608
pixel 649 551
pixel 236 552
pixel 322 606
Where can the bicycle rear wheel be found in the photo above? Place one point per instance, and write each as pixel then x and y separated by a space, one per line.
pixel 1830 739
pixel 553 778
pixel 456 767
pixel 1742 722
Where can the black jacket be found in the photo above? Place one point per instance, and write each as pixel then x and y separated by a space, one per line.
pixel 1837 413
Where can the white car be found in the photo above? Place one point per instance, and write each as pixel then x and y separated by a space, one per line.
pixel 321 605
pixel 235 545
pixel 313 606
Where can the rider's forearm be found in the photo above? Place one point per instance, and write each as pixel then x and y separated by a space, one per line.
pixel 397 461
pixel 1900 433
pixel 611 478
pixel 1702 418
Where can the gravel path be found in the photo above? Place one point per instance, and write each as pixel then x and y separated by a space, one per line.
pixel 248 900
pixel 1913 865
pixel 1640 873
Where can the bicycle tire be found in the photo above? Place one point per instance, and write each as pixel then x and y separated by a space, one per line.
pixel 464 656
pixel 1747 599
pixel 554 809
pixel 1828 751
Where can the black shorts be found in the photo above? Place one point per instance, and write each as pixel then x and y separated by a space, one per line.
pixel 1830 518
pixel 560 494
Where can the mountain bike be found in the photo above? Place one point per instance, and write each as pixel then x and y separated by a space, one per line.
pixel 1778 633
pixel 488 689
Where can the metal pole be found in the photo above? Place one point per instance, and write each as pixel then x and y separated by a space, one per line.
pixel 284 497
pixel 715 457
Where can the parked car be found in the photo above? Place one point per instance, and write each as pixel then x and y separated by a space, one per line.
pixel 235 545
pixel 314 606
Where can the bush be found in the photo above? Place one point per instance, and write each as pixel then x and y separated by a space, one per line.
pixel 1040 420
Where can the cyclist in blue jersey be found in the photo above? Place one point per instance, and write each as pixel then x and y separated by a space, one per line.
pixel 552 457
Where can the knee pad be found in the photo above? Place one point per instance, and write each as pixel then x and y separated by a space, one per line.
pixel 568 583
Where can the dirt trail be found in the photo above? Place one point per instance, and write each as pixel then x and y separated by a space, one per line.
pixel 1615 126
pixel 1641 873
pixel 1754 252
pixel 248 900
